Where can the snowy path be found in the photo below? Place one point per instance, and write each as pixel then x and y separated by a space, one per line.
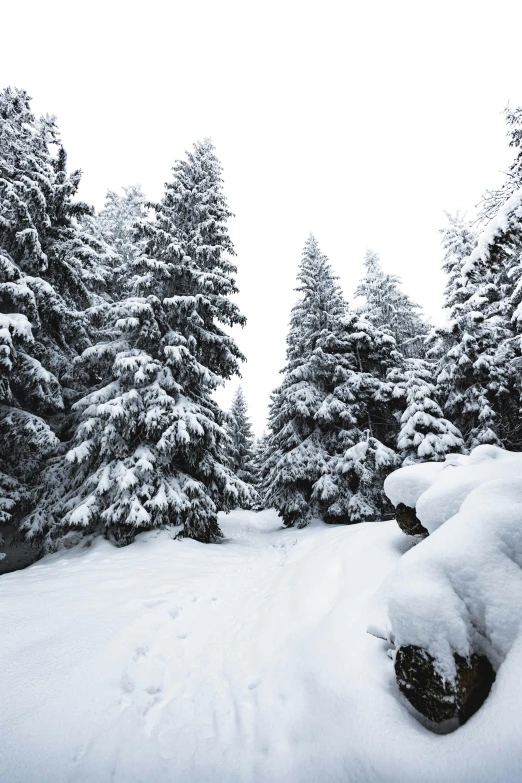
pixel 244 662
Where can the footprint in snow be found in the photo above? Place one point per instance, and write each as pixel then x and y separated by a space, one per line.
pixel 153 604
pixel 143 681
pixel 127 684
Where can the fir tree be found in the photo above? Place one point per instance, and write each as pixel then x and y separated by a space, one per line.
pixel 50 269
pixel 259 463
pixel 151 446
pixel 497 259
pixel 476 379
pixel 352 488
pixel 459 240
pixel 494 200
pixel 241 449
pixel 297 454
pixel 425 435
pixel 119 219
pixel 390 309
pixel 360 475
pixel 333 398
pixel 117 223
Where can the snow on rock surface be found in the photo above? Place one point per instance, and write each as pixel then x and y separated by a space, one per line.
pixel 452 486
pixel 437 490
pixel 460 590
pixel 244 662
pixel 406 485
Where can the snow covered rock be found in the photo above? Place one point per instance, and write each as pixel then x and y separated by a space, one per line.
pixel 445 497
pixel 408 521
pixel 455 601
pixel 404 487
pixel 434 696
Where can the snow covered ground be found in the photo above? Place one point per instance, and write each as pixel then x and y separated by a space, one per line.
pixel 244 662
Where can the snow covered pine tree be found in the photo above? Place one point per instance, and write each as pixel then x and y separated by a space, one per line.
pixel 296 450
pixel 390 309
pixel 241 449
pixel 499 251
pixel 117 223
pixel 49 269
pixel 425 435
pixel 353 490
pixel 322 457
pixel 476 379
pixel 150 450
pixel 259 463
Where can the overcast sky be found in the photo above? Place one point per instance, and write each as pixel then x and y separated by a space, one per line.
pixel 360 121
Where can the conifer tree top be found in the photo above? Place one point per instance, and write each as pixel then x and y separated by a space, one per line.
pixel 388 308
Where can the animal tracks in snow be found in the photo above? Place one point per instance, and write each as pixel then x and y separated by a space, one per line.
pixel 199 644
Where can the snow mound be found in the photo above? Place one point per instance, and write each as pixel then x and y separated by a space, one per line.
pixel 406 485
pixel 460 590
pixel 437 489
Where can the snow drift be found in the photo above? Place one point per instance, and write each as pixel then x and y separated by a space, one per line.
pixel 459 592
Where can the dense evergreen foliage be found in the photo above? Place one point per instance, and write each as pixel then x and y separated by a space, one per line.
pixel 390 309
pixel 51 269
pixel 424 435
pixel 331 409
pixel 478 380
pixel 150 448
pixel 113 340
pixel 115 332
pixel 241 448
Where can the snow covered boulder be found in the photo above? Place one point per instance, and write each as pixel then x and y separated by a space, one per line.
pixel 428 494
pixel 455 601
pixel 459 476
pixel 436 697
pixel 408 521
pixel 404 487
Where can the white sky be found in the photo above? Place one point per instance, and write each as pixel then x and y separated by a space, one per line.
pixel 359 121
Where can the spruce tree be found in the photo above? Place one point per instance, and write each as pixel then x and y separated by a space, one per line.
pixel 356 493
pixel 476 377
pixel 425 435
pixel 297 454
pixel 259 464
pixel 497 260
pixel 352 488
pixel 50 270
pixel 241 449
pixel 459 239
pixel 390 309
pixel 151 446
pixel 333 398
pixel 117 223
pixel 119 219
pixel 493 272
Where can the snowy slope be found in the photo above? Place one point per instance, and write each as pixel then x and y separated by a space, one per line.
pixel 241 662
